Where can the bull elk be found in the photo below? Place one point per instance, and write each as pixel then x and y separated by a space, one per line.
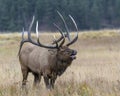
pixel 43 60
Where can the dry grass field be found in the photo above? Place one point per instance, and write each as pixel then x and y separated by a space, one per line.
pixel 95 72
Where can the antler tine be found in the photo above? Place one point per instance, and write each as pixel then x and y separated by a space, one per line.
pixel 55 41
pixel 29 30
pixel 61 32
pixel 59 29
pixel 54 37
pixel 23 34
pixel 62 41
pixel 76 37
pixel 64 25
pixel 62 37
pixel 39 43
pixel 29 36
pixel 37 34
pixel 74 22
pixel 22 41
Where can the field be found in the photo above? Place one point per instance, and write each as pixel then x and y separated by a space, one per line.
pixel 95 72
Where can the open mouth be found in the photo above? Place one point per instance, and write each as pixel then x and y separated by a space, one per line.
pixel 73 56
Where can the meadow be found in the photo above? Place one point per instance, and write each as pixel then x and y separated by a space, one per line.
pixel 95 72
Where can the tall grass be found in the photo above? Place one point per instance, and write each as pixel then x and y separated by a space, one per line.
pixel 95 72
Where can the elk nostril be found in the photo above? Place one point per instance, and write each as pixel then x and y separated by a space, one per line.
pixel 74 52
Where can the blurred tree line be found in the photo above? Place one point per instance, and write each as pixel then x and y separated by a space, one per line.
pixel 88 14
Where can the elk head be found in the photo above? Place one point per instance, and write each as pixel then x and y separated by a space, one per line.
pixel 64 52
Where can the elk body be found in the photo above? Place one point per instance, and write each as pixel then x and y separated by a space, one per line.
pixel 47 61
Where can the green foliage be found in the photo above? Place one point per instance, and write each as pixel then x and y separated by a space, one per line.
pixel 89 14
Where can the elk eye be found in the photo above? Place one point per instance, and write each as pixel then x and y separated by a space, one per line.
pixel 62 50
pixel 68 51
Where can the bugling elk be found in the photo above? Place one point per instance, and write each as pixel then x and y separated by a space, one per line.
pixel 43 60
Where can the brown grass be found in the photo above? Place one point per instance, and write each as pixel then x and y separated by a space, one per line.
pixel 95 72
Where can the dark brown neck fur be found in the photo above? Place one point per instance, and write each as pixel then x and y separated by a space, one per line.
pixel 62 66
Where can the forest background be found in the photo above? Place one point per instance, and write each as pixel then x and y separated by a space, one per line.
pixel 88 14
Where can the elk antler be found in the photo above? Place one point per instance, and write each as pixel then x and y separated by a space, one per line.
pixel 76 37
pixel 62 34
pixel 38 43
pixel 66 27
pixel 29 35
pixel 67 34
pixel 22 42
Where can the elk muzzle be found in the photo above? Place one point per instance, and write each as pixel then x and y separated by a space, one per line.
pixel 73 55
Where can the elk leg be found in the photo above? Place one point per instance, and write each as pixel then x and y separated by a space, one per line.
pixel 52 81
pixel 25 75
pixel 46 80
pixel 37 79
